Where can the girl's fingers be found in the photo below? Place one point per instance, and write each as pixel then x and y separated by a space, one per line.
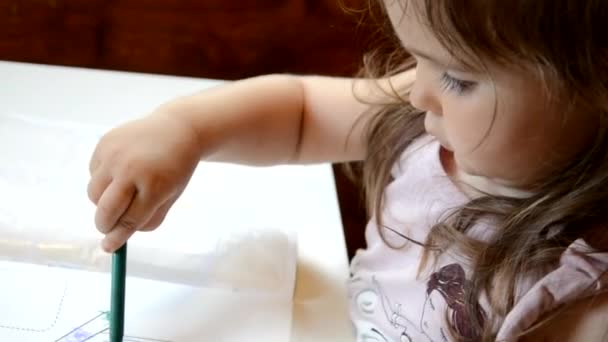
pixel 116 238
pixel 94 163
pixel 112 205
pixel 97 185
pixel 126 225
pixel 159 216
pixel 138 213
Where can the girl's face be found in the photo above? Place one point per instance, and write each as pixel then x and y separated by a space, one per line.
pixel 498 130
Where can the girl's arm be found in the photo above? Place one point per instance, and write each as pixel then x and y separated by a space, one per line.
pixel 139 169
pixel 281 119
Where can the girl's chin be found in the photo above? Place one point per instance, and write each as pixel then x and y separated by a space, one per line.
pixel 443 144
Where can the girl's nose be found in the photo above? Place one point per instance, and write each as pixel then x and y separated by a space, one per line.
pixel 423 95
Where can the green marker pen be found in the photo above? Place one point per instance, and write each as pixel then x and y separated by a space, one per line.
pixel 117 305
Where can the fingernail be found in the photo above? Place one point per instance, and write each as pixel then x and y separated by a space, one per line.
pixel 104 230
pixel 107 247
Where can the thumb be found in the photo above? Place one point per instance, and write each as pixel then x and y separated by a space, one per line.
pixel 116 238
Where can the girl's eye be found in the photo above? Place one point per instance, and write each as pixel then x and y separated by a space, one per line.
pixel 454 84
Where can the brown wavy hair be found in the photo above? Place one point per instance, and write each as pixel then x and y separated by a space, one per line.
pixel 563 43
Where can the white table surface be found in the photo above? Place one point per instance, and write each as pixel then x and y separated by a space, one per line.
pixel 311 207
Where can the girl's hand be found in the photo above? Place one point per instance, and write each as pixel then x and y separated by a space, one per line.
pixel 138 170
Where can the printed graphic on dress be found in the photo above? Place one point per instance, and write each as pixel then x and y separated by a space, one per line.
pixel 449 284
pixel 445 290
pixel 373 303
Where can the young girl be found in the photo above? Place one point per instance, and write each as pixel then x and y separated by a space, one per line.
pixel 484 162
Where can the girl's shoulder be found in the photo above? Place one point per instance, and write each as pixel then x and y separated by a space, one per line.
pixel 579 284
pixel 585 320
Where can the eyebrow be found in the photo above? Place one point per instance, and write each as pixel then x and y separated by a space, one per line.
pixel 422 54
pixel 428 57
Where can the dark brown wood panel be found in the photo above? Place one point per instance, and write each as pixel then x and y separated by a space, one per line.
pixel 201 38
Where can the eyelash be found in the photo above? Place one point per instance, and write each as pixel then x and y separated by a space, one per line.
pixel 459 86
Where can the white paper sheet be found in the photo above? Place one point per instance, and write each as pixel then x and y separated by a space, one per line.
pixel 46 304
pixel 194 283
